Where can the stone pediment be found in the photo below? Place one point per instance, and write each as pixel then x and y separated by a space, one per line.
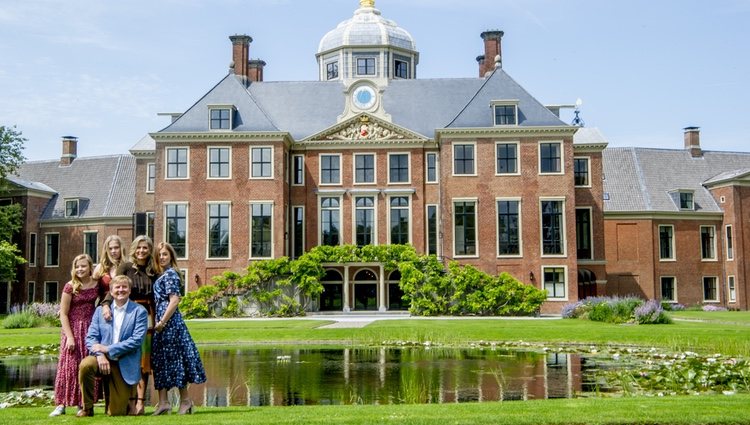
pixel 364 127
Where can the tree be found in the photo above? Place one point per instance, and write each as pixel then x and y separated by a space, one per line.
pixel 11 151
pixel 11 216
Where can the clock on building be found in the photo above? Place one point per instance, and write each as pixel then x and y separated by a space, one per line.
pixel 364 97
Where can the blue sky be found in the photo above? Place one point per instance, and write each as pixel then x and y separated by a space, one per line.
pixel 102 70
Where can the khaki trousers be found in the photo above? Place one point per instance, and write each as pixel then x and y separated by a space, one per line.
pixel 117 392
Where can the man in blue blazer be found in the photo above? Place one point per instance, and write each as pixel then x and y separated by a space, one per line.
pixel 114 351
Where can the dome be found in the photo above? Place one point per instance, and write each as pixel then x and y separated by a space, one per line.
pixel 367 28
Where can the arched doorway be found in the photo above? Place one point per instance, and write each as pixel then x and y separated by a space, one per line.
pixel 332 297
pixel 586 284
pixel 395 293
pixel 365 290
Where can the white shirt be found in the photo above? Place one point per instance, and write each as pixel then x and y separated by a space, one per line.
pixel 119 316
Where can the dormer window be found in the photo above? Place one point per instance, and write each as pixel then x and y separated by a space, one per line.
pixel 220 117
pixel 686 201
pixel 332 70
pixel 365 66
pixel 71 208
pixel 400 69
pixel 505 112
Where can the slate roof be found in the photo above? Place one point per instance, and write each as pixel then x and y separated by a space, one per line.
pixel 310 107
pixel 105 185
pixel 640 179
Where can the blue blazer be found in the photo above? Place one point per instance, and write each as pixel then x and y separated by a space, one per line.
pixel 127 352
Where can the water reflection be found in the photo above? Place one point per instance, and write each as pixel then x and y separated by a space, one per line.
pixel 298 376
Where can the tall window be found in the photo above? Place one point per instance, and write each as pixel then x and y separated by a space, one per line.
pixel 53 249
pixel 150 224
pixel 710 289
pixel 553 242
pixel 91 245
pixel 50 292
pixel 364 212
pixel 432 232
pixel 262 167
pixel 221 119
pixel 506 155
pixel 431 168
pixel 298 231
pixel 581 171
pixel 330 169
pixel 150 177
pixel 508 228
pixel 218 163
pixel 330 221
pixel 583 234
pixel 365 66
pixel 71 208
pixel 398 168
pixel 708 242
pixel 177 163
pixel 731 289
pixel 261 232
pixel 218 230
pixel 554 282
pixel 176 227
pixel 505 114
pixel 332 70
pixel 401 69
pixel 730 243
pixel 364 168
pixel 298 167
pixel 399 215
pixel 465 227
pixel 31 294
pixel 666 242
pixel 550 158
pixel 463 159
pixel 32 250
pixel 668 292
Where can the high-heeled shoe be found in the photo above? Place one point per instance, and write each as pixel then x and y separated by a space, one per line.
pixel 186 408
pixel 136 411
pixel 161 409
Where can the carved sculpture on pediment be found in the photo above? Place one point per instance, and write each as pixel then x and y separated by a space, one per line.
pixel 364 130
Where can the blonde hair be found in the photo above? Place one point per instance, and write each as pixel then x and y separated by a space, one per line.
pixel 77 284
pixel 172 255
pixel 118 278
pixel 105 260
pixel 151 265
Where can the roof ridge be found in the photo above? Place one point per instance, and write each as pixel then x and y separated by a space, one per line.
pixel 110 195
pixel 479 90
pixel 260 108
pixel 641 182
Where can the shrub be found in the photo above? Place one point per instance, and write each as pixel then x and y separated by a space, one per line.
pixel 651 312
pixel 21 320
pixel 616 310
pixel 48 312
pixel 711 307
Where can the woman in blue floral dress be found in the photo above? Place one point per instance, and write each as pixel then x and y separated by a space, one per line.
pixel 174 357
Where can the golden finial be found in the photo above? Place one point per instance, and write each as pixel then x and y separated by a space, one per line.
pixel 366 3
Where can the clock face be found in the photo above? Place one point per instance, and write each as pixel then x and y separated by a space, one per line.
pixel 364 97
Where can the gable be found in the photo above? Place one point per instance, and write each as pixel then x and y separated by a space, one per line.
pixel 365 128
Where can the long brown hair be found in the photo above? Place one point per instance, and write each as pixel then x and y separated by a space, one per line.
pixel 77 283
pixel 172 256
pixel 151 265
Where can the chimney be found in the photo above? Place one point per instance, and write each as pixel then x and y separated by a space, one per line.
pixel 255 70
pixel 240 51
pixel 693 141
pixel 480 62
pixel 69 150
pixel 493 52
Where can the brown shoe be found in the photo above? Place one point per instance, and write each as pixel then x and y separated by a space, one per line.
pixel 85 412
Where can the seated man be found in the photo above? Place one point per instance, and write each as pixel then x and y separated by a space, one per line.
pixel 114 351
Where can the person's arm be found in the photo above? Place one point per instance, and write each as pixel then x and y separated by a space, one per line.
pixel 65 300
pixel 174 301
pixel 98 272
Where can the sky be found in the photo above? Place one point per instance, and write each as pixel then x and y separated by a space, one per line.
pixel 644 69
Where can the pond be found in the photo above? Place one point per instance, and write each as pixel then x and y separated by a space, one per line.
pixel 302 376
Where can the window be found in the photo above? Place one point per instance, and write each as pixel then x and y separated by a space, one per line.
pixel 298 167
pixel 221 118
pixel 32 250
pixel 31 288
pixel 150 224
pixel 218 230
pixel 465 227
pixel 298 231
pixel 505 114
pixel 431 168
pixel 219 163
pixel 398 168
pixel 399 219
pixel 262 167
pixel 332 70
pixel 710 289
pixel 506 155
pixel 400 69
pixel 666 242
pixel 53 249
pixel 365 66
pixel 330 169
pixel 550 158
pixel 261 242
pixel 583 234
pixel 364 168
pixel 91 245
pixel 50 292
pixel 668 292
pixel 731 289
pixel 686 201
pixel 463 159
pixel 553 240
pixel 554 282
pixel 508 227
pixel 150 177
pixel 71 208
pixel 581 172
pixel 330 219
pixel 708 242
pixel 175 229
pixel 432 232
pixel 364 212
pixel 730 243
pixel 177 163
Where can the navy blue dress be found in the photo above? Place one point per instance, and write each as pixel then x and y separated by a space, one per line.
pixel 174 357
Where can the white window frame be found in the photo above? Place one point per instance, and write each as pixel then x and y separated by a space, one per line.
pixel 187 226
pixel 566 281
pixel 713 242
pixel 518 157
pixel 588 170
pixel 301 170
pixel 731 289
pixel 150 218
pixel 338 195
pixel 692 200
pixel 184 275
pixel 729 238
pixel 520 226
pixel 150 177
pixel 673 243
pixel 508 102
pixel 338 69
pixel 427 229
pixel 703 289
pixel 661 293
pixel 208 230
pixel 78 207
pixel 231 110
pixel 32 251
pixel 453 159
pixel 46 257
pixel 57 290
pixel 374 168
pixel 250 226
pixel 208 163
pixel 426 167
pixel 250 159
pixel 356 65
pixel 564 225
pixel 320 169
pixel 476 226
pixel 408 165
pixel 539 157
pixel 354 197
pixel 89 232
pixel 388 208
pixel 166 162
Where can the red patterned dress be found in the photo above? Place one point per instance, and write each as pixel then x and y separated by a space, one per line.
pixel 82 306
